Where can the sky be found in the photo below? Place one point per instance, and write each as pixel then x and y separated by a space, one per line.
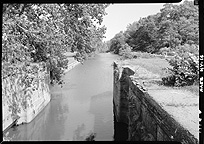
pixel 120 15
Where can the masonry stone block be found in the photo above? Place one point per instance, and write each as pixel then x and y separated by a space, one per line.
pixel 146 119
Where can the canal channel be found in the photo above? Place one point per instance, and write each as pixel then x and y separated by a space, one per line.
pixel 83 106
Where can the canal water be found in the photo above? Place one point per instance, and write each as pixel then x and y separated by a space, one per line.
pixel 84 105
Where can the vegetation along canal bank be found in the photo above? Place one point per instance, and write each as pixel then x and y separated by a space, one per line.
pixel 82 107
pixel 141 85
pixel 35 40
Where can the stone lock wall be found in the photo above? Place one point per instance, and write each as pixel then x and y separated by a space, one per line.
pixel 71 66
pixel 146 120
pixel 22 103
pixel 116 92
pixel 30 100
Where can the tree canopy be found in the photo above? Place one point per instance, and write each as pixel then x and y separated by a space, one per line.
pixel 45 32
pixel 172 31
pixel 174 25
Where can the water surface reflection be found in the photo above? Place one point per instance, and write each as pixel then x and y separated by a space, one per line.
pixel 81 107
pixel 102 110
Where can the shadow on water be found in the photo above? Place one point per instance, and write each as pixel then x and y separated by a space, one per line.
pixel 101 108
pixel 105 125
pixel 48 125
pixel 120 130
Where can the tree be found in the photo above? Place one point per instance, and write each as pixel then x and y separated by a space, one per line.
pixel 185 67
pixel 125 51
pixel 131 29
pixel 117 42
pixel 145 37
pixel 45 32
pixel 183 23
pixel 174 25
pixel 35 35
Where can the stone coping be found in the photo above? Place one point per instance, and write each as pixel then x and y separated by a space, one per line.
pixel 71 64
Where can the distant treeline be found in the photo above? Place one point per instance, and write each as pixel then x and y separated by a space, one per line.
pixel 175 25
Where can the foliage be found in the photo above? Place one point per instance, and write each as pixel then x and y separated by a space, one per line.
pixel 18 88
pixel 174 25
pixel 107 45
pixel 163 51
pixel 102 47
pixel 185 68
pixel 173 32
pixel 117 42
pixel 45 32
pixel 145 37
pixel 143 55
pixel 41 34
pixel 125 52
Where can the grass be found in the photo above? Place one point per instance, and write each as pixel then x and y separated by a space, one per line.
pixel 192 88
pixel 146 55
pixel 180 105
pixel 157 65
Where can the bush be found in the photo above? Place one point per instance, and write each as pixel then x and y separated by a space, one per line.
pixel 56 68
pixel 171 53
pixel 163 50
pixel 186 48
pixel 125 51
pixel 184 71
pixel 143 55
